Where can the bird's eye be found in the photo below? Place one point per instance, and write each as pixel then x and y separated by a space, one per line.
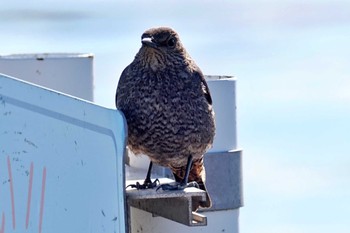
pixel 171 42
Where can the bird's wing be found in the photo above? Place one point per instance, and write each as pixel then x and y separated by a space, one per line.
pixel 120 83
pixel 204 87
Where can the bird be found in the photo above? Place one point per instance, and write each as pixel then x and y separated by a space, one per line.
pixel 168 109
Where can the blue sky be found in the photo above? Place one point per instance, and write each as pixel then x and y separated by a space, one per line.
pixel 291 59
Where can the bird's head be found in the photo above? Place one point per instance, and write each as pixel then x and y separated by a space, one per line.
pixel 161 48
pixel 163 39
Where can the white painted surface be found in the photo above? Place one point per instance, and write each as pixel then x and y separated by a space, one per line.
pixel 223 92
pixel 61 162
pixel 68 73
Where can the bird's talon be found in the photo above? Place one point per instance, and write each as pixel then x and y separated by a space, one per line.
pixel 177 186
pixel 150 185
pixel 146 185
pixel 193 184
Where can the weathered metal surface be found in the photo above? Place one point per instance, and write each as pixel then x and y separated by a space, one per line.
pixel 61 162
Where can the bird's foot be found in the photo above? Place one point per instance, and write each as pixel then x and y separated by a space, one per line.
pixel 147 184
pixel 178 186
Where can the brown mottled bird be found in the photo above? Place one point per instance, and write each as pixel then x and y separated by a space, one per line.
pixel 168 109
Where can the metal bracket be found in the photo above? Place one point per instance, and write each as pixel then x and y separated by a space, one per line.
pixel 173 205
pixel 224 179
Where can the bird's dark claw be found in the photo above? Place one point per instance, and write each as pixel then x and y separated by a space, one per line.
pixel 177 186
pixel 147 184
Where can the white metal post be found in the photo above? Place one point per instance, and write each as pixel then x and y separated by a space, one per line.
pixel 65 72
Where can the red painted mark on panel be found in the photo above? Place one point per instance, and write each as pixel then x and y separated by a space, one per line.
pixel 3 223
pixel 42 199
pixel 12 193
pixel 29 199
pixel 29 193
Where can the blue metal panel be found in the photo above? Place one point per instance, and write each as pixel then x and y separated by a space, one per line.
pixel 61 162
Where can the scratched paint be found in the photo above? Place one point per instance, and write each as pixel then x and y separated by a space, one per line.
pixel 12 193
pixel 2 230
pixel 42 199
pixel 29 199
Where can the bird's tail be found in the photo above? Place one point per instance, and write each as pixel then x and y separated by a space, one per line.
pixel 197 174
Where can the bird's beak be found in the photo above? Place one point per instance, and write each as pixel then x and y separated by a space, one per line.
pixel 148 41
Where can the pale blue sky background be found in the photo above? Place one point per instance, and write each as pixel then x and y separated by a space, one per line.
pixel 291 59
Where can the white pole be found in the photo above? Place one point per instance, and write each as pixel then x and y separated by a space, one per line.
pixel 223 91
pixel 64 72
